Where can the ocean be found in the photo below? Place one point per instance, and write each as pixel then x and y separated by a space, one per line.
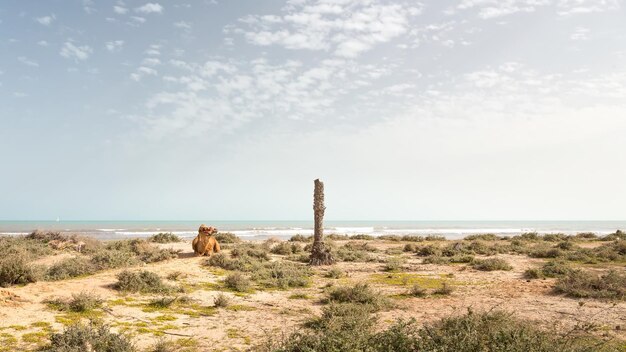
pixel 256 230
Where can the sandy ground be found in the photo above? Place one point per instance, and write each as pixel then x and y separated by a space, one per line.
pixel 253 317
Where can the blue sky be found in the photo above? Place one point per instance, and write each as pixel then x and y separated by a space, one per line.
pixel 214 109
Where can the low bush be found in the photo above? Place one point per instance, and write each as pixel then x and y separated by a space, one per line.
pixel 251 250
pixel 444 290
pixel 286 248
pixel 411 247
pixel 350 328
pixel 417 291
pixel 141 281
pixel 436 259
pixel 483 237
pixel 221 300
pixel 241 263
pixel 282 275
pixel 394 264
pixel 334 273
pixel 27 249
pixel 301 238
pixel 430 250
pixel 15 270
pixel 79 303
pixel 93 337
pixel 491 264
pixel 70 268
pixel 164 237
pixel 348 254
pixel 360 246
pixel 238 282
pixel 583 284
pixel 360 294
pixel 113 258
pixel 227 237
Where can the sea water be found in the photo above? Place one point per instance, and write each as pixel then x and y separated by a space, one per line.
pixel 286 229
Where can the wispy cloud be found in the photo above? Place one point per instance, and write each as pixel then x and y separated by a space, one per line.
pixel 150 8
pixel 115 45
pixel 120 10
pixel 347 28
pixel 77 53
pixel 27 62
pixel 46 20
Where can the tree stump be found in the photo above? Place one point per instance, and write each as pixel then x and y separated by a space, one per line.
pixel 320 255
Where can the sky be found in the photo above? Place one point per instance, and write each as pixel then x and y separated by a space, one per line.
pixel 229 109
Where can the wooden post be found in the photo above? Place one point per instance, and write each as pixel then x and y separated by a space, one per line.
pixel 320 255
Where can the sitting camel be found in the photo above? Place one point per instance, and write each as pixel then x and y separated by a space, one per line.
pixel 205 243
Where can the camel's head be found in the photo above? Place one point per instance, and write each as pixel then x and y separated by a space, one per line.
pixel 207 230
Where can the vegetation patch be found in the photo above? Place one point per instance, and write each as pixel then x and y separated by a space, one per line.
pixel 70 268
pixel 409 279
pixel 164 237
pixel 92 337
pixel 141 281
pixel 15 270
pixel 361 293
pixel 227 237
pixel 79 303
pixel 348 328
pixel 491 264
pixel 583 284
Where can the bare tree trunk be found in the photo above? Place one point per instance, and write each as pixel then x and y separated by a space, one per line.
pixel 320 255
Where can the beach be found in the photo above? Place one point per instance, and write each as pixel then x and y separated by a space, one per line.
pixel 264 310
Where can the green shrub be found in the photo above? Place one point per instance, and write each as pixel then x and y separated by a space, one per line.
pixel 334 273
pixel 394 264
pixel 462 258
pixel 241 263
pixel 434 238
pixel 227 237
pixel 143 250
pixel 164 237
pixel 436 259
pixel 533 273
pixel 410 247
pixel 359 293
pixel 221 300
pixel 15 270
pixel 491 264
pixel 583 284
pixel 545 252
pixel 300 257
pixel 555 268
pixel 93 337
pixel 286 248
pixel 587 236
pixel 348 254
pixel 113 258
pixel 483 237
pixel 79 303
pixel 360 246
pixel 301 238
pixel 238 282
pixel 70 268
pixel 251 250
pixel 417 291
pixel 27 249
pixel 444 290
pixel 141 281
pixel 430 250
pixel 282 275
pixel 555 237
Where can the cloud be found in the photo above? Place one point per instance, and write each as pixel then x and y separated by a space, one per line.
pixel 46 20
pixel 143 71
pixel 115 45
pixel 27 62
pixel 150 8
pixel 580 33
pixel 575 7
pixel 42 43
pixel 120 10
pixel 71 51
pixel 183 25
pixel 347 28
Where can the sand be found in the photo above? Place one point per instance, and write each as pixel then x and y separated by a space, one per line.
pixel 253 318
